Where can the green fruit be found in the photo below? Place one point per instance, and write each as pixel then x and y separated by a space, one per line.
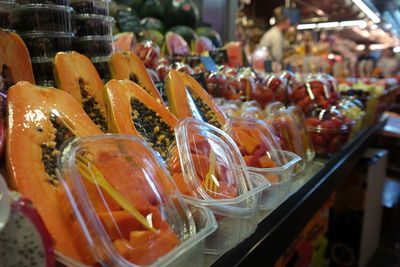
pixel 134 4
pixel 210 34
pixel 181 12
pixel 152 8
pixel 186 32
pixel 128 21
pixel 152 23
pixel 152 35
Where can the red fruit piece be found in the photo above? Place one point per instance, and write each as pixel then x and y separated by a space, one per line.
pixel 312 122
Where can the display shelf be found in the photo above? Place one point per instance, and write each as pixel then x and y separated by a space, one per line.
pixel 279 228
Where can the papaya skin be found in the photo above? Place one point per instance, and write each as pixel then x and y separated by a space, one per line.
pixel 176 84
pixel 124 66
pixel 29 109
pixel 15 55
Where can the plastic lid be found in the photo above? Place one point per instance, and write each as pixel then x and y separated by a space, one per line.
pixel 271 108
pixel 93 16
pixel 256 141
pixel 39 34
pixel 326 120
pixel 211 162
pixel 123 198
pixel 45 6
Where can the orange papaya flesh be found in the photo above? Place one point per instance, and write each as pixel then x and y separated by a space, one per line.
pixel 266 162
pixel 187 98
pixel 15 63
pixel 128 66
pixel 147 247
pixel 39 120
pixel 76 74
pixel 123 247
pixel 119 224
pixel 133 111
pixel 272 178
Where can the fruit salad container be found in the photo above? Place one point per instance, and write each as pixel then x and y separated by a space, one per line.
pixel 291 136
pixel 310 94
pixel 6 13
pixel 43 70
pixel 279 87
pixel 328 130
pixel 92 25
pixel 263 155
pixel 123 208
pixel 47 44
pixel 42 17
pixel 99 7
pixel 94 46
pixel 210 172
pixel 298 117
pixel 354 112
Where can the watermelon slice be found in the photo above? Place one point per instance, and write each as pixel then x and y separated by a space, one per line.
pixel 176 45
pixel 203 44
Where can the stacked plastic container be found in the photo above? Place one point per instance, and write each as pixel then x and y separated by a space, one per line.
pixel 45 27
pixel 6 13
pixel 92 26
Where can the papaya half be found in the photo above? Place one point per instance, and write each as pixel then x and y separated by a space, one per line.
pixel 15 62
pixel 187 98
pixel 76 74
pixel 131 110
pixel 128 66
pixel 40 119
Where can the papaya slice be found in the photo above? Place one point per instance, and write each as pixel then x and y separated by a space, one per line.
pixel 131 110
pixel 39 120
pixel 119 224
pixel 76 74
pixel 128 66
pixel 187 98
pixel 15 63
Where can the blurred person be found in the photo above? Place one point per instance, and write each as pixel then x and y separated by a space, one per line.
pixel 366 63
pixel 388 63
pixel 274 39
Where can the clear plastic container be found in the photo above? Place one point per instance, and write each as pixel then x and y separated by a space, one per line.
pixel 94 46
pixel 46 44
pixel 215 176
pixel 256 141
pixel 42 17
pixel 6 9
pixel 285 127
pixel 328 129
pixel 124 209
pixel 280 178
pixel 48 2
pixel 92 25
pixel 310 94
pixel 278 86
pixel 101 65
pixel 43 71
pixel 4 203
pixel 100 7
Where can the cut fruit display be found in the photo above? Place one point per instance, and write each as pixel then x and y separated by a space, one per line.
pixel 187 98
pixel 40 120
pixel 128 66
pixel 76 74
pixel 132 110
pixel 14 61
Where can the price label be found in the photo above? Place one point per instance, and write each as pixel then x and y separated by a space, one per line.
pixel 268 65
pixel 208 63
pixel 161 89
